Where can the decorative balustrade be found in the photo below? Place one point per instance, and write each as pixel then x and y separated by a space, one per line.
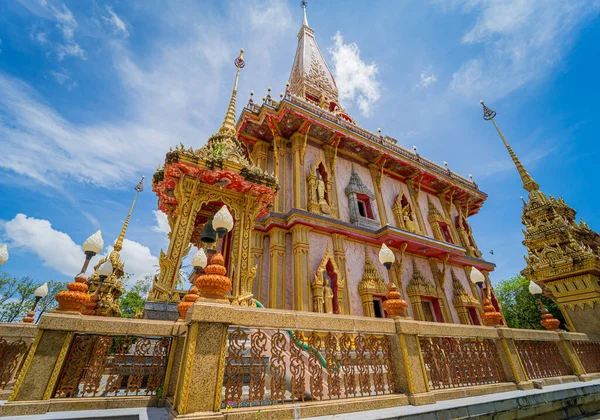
pixel 111 365
pixel 12 354
pixel 265 367
pixel 541 359
pixel 458 362
pixel 589 355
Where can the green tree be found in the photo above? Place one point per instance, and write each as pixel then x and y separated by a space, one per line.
pixel 132 302
pixel 16 297
pixel 521 309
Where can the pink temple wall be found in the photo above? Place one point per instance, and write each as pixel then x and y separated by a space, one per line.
pixel 390 189
pixel 264 295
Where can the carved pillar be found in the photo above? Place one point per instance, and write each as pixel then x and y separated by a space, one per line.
pixel 331 158
pixel 339 253
pixel 417 306
pixel 414 190
pixel 440 282
pixel 377 177
pixel 257 252
pixel 447 206
pixel 301 268
pixel 260 154
pixel 243 275
pixel 280 169
pixel 277 268
pixel 298 171
pixel 181 232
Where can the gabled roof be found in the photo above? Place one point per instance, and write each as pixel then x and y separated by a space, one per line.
pixel 310 74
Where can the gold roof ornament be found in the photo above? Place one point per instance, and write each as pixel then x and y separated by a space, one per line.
pixel 528 183
pixel 310 73
pixel 371 282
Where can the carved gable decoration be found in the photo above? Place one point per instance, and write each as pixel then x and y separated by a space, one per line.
pixel 461 296
pixel 434 214
pixel 419 285
pixel 359 203
pixel 371 283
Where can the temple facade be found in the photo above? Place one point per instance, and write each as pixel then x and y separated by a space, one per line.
pixel 343 192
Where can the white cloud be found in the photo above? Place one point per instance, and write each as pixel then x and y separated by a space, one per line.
pixel 63 77
pixel 521 40
pixel 67 25
pixel 427 78
pixel 116 22
pixel 356 80
pixel 162 224
pixel 58 251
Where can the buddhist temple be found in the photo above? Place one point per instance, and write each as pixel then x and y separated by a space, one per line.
pixel 334 271
pixel 338 192
pixel 563 256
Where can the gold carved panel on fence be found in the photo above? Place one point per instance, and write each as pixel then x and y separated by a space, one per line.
pixel 11 357
pixel 98 366
pixel 458 362
pixel 265 367
pixel 541 359
pixel 589 355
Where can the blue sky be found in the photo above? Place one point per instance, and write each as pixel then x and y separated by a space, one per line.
pixel 93 94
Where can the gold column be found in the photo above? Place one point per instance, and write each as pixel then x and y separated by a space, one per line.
pixel 447 206
pixel 339 253
pixel 257 252
pixel 331 158
pixel 260 154
pixel 298 171
pixel 440 282
pixel 377 177
pixel 417 305
pixel 277 268
pixel 280 156
pixel 414 191
pixel 301 268
pixel 181 232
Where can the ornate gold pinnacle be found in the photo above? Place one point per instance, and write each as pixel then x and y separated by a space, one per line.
pixel 528 183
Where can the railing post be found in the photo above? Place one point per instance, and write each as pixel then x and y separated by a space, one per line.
pixel 202 368
pixel 409 368
pixel 570 357
pixel 511 363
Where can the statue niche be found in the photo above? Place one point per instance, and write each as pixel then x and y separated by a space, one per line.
pixel 320 189
pixel 405 215
pixel 328 286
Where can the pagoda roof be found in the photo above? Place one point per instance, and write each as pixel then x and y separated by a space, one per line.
pixel 293 114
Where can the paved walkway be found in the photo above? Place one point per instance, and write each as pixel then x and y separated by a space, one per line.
pixel 450 409
pixel 472 406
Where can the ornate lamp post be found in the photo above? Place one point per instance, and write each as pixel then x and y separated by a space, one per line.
pixel 548 320
pixel 215 284
pixel 490 316
pixel 3 255
pixel 199 261
pixel 393 305
pixel 223 223
pixel 74 298
pixel 39 293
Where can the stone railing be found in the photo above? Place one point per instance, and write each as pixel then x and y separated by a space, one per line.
pixel 15 341
pixel 242 359
pixel 76 356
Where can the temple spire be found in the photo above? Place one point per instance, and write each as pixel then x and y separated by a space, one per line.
pixel 528 182
pixel 228 126
pixel 305 21
pixel 119 242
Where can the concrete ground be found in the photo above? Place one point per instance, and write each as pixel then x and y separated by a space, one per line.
pixel 500 405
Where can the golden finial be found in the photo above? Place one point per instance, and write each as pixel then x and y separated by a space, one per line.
pixel 228 126
pixel 528 183
pixel 119 242
pixel 303 5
